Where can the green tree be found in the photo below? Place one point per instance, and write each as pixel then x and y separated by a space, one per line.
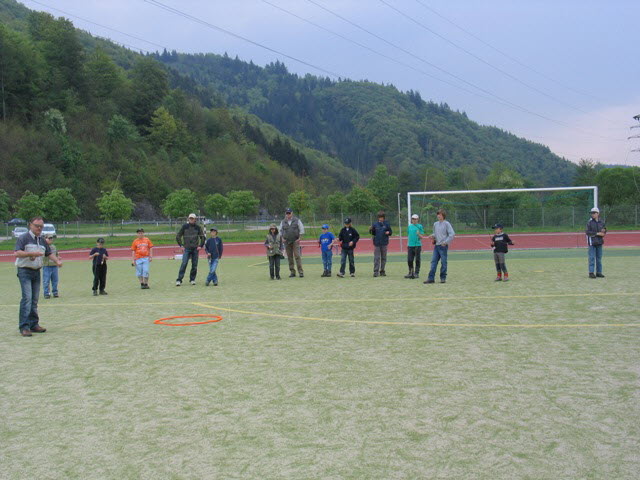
pixel 120 129
pixel 586 172
pixel 5 206
pixel 361 200
pixel 149 86
pixel 29 206
pixel 180 203
pixel 299 201
pixel 618 186
pixel 384 186
pixel 216 205
pixel 104 77
pixel 114 205
pixel 337 203
pixel 21 72
pixel 163 131
pixel 60 205
pixel 242 203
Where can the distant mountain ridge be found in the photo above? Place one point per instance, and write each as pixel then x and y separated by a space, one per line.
pixel 365 124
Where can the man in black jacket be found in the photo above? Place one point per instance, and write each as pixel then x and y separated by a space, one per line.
pixel 191 238
pixel 348 238
pixel 381 231
pixel 595 232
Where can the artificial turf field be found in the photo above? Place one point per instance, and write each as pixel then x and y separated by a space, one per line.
pixel 357 378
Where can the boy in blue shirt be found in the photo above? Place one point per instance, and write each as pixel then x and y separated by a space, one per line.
pixel 326 244
pixel 213 247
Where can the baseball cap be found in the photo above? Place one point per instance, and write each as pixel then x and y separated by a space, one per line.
pixel 192 215
pixel 140 230
pixel 325 226
pixel 288 210
pixel 595 210
pixel 415 215
pixel 100 240
pixel 213 229
pixel 498 225
pixel 347 220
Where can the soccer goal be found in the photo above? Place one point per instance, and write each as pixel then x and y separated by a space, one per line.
pixel 551 207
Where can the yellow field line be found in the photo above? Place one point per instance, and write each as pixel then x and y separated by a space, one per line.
pixel 353 300
pixel 421 324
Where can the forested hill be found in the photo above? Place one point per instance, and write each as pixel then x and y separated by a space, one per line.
pixel 365 124
pixel 82 113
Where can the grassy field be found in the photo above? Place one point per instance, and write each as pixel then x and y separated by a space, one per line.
pixel 356 378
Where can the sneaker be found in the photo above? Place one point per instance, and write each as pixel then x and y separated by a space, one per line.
pixel 301 275
pixel 376 275
pixel 429 281
pixel 592 275
pixel 324 274
pixel 292 274
pixel 328 273
pixel 599 275
pixel 383 273
pixel 206 284
pixel 47 297
pixel 95 293
pixel 352 274
pixel 272 278
pixel 340 275
pixel 215 284
pixel 178 283
pixel 192 282
pixel 55 295
pixel 506 279
pixel 26 332
pixel 498 279
pixel 443 280
pixel 103 292
pixel 278 277
pixel 409 275
pixel 146 286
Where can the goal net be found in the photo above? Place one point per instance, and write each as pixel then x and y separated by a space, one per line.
pixel 560 208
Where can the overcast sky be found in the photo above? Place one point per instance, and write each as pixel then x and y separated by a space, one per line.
pixel 564 73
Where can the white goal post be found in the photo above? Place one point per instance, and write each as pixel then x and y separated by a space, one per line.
pixel 502 190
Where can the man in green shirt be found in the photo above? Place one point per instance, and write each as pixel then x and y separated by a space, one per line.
pixel 415 233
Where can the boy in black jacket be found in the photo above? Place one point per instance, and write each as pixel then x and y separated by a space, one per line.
pixel 348 238
pixel 499 243
pixel 191 238
pixel 596 230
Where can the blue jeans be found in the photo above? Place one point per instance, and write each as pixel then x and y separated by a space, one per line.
pixel 343 260
pixel 595 258
pixel 142 267
pixel 50 276
pixel 30 286
pixel 327 257
pixel 189 253
pixel 439 253
pixel 213 264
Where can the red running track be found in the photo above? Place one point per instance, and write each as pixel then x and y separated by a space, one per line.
pixel 310 247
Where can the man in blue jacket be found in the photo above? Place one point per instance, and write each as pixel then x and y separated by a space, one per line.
pixel 381 231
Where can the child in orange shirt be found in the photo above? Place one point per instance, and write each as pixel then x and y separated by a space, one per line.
pixel 140 257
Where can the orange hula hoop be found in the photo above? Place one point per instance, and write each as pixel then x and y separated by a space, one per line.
pixel 212 319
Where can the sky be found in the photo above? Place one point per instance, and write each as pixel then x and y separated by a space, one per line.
pixel 563 73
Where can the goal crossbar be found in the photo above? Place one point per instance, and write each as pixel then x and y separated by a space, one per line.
pixel 503 190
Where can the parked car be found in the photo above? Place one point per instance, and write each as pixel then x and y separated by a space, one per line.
pixel 16 221
pixel 19 231
pixel 49 229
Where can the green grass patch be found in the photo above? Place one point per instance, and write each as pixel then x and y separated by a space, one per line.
pixel 329 378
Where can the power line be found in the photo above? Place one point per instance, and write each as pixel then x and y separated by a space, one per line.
pixel 512 104
pixel 506 55
pixel 395 60
pixel 180 13
pixel 480 59
pixel 102 26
